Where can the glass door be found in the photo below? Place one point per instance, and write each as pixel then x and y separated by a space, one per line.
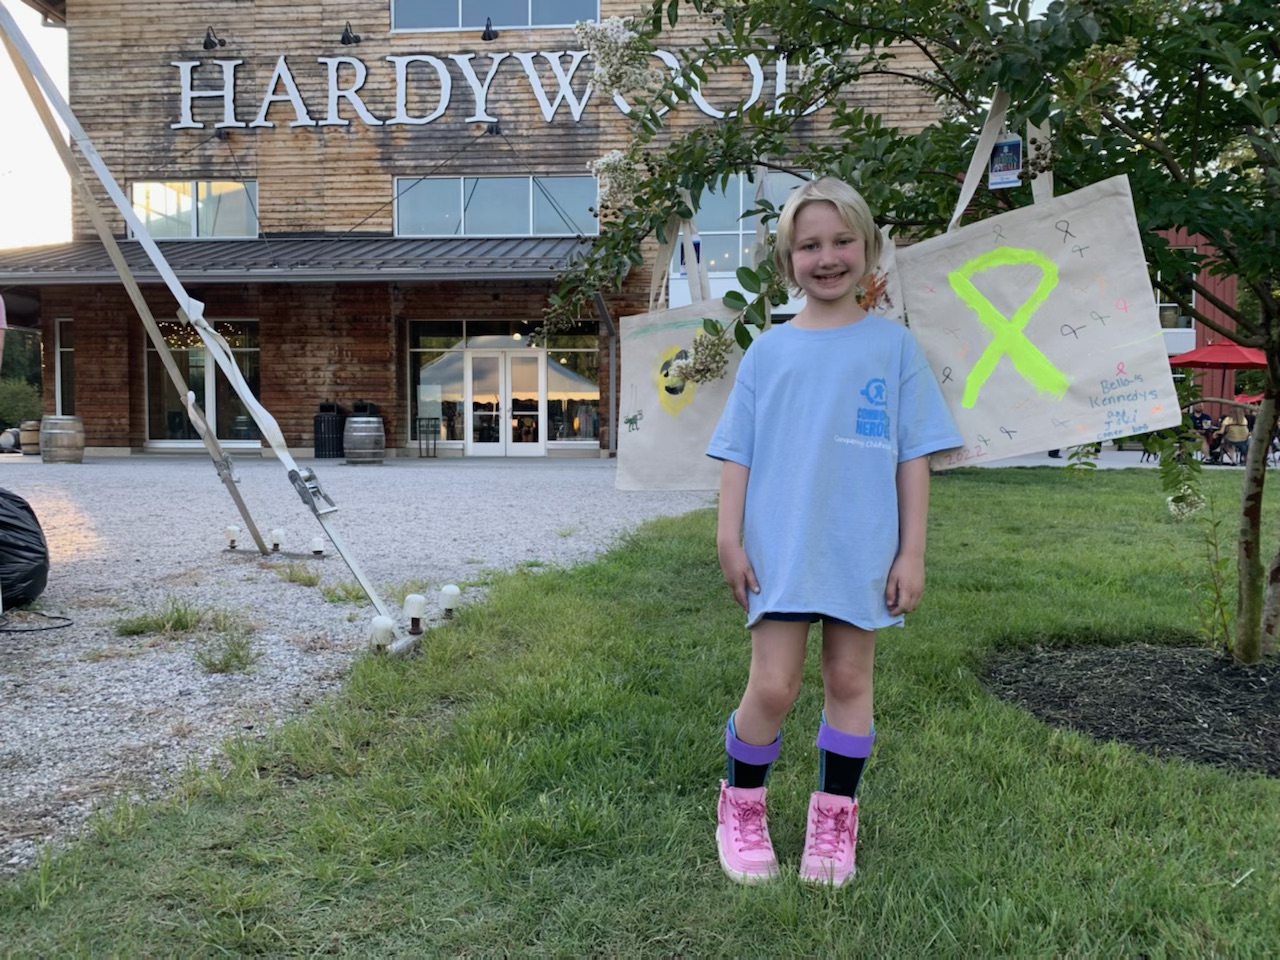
pixel 484 404
pixel 506 402
pixel 526 404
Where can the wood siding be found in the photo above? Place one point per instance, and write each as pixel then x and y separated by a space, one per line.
pixel 340 342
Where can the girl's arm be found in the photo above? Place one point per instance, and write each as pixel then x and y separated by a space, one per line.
pixel 906 576
pixel 733 559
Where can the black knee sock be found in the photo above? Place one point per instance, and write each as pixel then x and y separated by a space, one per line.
pixel 743 772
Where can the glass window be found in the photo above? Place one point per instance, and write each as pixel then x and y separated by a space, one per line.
pixel 66 372
pixel 556 12
pixel 469 14
pixel 207 208
pixel 166 412
pixel 720 211
pixel 564 205
pixel 164 208
pixel 424 14
pixel 496 207
pixel 227 210
pixel 725 233
pixel 1172 316
pixel 428 208
pixel 573 395
pixel 437 394
pixel 504 13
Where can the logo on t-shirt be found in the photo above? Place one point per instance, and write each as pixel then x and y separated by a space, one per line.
pixel 873 421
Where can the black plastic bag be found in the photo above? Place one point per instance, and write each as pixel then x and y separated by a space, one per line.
pixel 24 556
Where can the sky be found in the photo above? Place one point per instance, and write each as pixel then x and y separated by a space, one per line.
pixel 35 194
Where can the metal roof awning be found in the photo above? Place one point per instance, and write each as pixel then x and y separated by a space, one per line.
pixel 306 260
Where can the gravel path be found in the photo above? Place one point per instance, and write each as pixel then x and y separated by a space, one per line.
pixel 86 715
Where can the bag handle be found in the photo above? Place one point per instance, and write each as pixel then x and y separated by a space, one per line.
pixel 682 231
pixel 981 153
pixel 1041 184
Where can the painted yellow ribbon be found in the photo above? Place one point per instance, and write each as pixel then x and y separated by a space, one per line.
pixel 1008 337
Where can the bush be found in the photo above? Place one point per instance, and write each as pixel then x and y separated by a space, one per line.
pixel 19 401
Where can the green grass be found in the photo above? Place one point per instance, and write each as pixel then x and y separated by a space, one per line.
pixel 302 573
pixel 227 652
pixel 176 616
pixel 542 779
pixel 344 591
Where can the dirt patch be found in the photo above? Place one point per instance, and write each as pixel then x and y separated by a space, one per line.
pixel 1183 702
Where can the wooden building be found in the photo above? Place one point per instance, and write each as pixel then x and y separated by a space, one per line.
pixel 372 200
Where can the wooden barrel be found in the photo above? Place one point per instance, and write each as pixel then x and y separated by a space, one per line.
pixel 363 440
pixel 61 440
pixel 29 435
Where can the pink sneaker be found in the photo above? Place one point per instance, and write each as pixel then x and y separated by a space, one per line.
pixel 830 841
pixel 742 834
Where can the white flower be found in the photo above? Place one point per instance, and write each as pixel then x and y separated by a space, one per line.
pixel 620 58
pixel 619 178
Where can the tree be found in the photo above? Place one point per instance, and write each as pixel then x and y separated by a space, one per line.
pixel 1181 95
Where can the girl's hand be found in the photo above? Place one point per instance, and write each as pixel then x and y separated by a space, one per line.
pixel 906 584
pixel 738 573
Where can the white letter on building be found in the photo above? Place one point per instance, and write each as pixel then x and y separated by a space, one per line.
pixel 282 75
pixel 564 80
pixel 227 93
pixel 481 92
pixel 402 91
pixel 333 120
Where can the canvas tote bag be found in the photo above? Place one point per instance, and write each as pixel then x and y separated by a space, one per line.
pixel 1040 324
pixel 664 423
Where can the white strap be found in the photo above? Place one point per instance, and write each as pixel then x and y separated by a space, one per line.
pixel 981 153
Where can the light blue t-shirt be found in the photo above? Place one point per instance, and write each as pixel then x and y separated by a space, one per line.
pixel 822 418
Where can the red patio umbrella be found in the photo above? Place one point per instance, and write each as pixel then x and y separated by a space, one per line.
pixel 1221 355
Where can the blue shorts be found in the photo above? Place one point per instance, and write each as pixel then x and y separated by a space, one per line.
pixel 804 618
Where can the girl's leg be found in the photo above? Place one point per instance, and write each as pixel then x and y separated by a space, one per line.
pixel 848 659
pixel 753 733
pixel 844 743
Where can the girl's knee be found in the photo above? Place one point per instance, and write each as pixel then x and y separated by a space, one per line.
pixel 774 694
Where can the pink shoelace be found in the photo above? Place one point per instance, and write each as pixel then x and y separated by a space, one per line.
pixel 830 829
pixel 749 824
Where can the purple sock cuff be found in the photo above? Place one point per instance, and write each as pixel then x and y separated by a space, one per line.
pixel 845 744
pixel 749 752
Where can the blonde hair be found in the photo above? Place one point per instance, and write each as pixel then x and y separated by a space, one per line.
pixel 853 210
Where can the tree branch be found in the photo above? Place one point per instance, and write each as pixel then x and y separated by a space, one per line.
pixel 1159 147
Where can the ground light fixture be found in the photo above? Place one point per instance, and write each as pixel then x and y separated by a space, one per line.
pixel 317 547
pixel 277 536
pixel 415 608
pixel 449 599
pixel 382 632
pixel 233 535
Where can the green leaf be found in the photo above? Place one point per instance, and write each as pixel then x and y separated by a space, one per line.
pixel 712 327
pixel 673 12
pixel 755 312
pixel 742 335
pixel 734 300
pixel 748 280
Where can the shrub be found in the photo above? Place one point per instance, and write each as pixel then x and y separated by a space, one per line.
pixel 19 401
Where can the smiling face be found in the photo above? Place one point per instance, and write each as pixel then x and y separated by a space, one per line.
pixel 828 259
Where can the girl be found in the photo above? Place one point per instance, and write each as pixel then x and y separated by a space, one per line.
pixel 823 500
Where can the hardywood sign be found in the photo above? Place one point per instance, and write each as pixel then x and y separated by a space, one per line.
pixel 432 75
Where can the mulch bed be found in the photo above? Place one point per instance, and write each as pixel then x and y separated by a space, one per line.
pixel 1186 702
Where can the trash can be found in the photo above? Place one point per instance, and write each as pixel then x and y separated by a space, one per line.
pixel 328 431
